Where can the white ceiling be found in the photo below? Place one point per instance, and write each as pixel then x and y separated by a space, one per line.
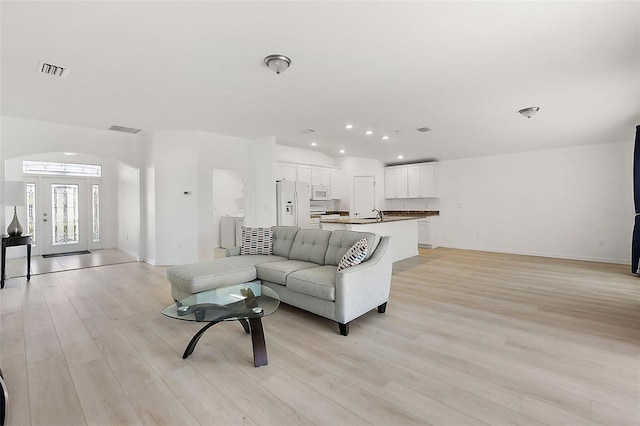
pixel 463 69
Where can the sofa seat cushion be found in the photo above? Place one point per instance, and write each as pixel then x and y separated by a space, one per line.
pixel 318 282
pixel 202 276
pixel 277 272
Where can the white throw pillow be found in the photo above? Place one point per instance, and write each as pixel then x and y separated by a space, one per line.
pixel 256 241
pixel 355 255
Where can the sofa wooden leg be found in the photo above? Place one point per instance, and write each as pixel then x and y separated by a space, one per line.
pixel 344 329
pixel 382 308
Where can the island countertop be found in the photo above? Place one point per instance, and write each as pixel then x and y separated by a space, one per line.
pixel 403 231
pixel 368 221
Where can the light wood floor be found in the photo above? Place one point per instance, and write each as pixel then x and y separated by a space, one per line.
pixel 468 338
pixel 17 267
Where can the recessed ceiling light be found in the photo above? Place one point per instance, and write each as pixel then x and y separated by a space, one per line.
pixel 313 144
pixel 342 151
pixel 369 132
pixel 348 126
pixel 70 154
pixel 400 157
pixel 385 137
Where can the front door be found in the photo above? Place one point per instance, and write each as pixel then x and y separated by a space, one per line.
pixel 64 215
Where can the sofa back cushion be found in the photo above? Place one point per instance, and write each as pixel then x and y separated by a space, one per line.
pixel 341 241
pixel 310 245
pixel 283 237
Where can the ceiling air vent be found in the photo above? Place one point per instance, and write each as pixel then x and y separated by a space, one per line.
pixel 424 129
pixel 55 70
pixel 125 129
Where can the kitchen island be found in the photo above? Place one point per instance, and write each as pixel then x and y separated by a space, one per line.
pixel 403 231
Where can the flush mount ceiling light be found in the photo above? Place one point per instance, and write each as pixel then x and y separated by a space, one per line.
pixel 278 63
pixel 313 144
pixel 342 151
pixel 529 112
pixel 369 132
pixel 348 126
pixel 385 138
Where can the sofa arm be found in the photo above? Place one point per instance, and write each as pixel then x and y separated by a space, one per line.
pixel 365 286
pixel 232 251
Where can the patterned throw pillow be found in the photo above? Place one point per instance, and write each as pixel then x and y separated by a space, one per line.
pixel 355 255
pixel 256 240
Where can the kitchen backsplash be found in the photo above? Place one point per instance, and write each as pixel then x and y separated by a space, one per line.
pixel 411 212
pixel 421 213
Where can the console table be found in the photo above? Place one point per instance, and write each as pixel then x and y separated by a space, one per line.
pixel 7 241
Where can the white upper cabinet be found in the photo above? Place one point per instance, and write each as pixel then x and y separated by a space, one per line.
pixel 289 171
pixel 401 182
pixel 395 182
pixel 390 183
pixel 428 181
pixel 314 175
pixel 304 173
pixel 412 181
pixel 285 171
pixel 320 176
pixel 337 186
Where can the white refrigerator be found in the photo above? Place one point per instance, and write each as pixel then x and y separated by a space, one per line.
pixel 293 203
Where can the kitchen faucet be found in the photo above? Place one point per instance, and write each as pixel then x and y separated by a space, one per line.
pixel 378 214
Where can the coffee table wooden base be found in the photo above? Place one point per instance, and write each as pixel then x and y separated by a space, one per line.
pixel 252 326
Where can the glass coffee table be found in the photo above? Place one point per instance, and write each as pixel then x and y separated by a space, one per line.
pixel 246 303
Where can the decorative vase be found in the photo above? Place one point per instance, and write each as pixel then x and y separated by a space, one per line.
pixel 14 229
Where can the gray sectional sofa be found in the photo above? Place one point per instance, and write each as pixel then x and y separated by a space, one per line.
pixel 302 269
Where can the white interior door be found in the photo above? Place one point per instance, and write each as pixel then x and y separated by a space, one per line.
pixel 364 196
pixel 65 215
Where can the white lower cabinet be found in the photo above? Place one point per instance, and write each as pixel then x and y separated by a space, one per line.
pixel 231 231
pixel 429 233
pixel 314 223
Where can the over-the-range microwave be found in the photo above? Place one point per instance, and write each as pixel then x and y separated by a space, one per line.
pixel 320 192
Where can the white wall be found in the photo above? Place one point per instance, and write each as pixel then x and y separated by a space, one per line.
pixel 23 137
pixel 555 203
pixel 148 208
pixel 259 184
pixel 176 214
pixel 290 154
pixel 128 209
pixel 108 195
pixel 412 204
pixel 38 140
pixel 181 228
pixel 356 166
pixel 228 198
